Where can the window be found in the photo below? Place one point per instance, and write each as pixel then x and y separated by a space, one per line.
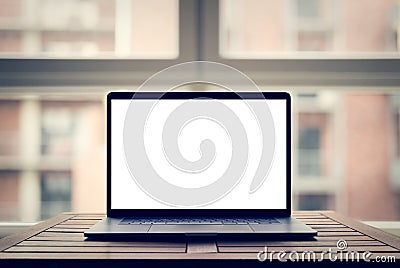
pixel 90 28
pixel 9 128
pixel 315 202
pixel 260 29
pixel 57 132
pixel 397 130
pixel 394 36
pixel 9 150
pixel 342 69
pixel 315 27
pixel 308 9
pixel 55 194
pixel 49 148
pixel 309 152
pixel 9 196
pixel 395 101
pixel 395 163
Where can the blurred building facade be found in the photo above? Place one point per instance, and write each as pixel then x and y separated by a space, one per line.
pixel 52 158
pixel 346 144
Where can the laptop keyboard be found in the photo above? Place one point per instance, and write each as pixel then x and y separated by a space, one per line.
pixel 226 221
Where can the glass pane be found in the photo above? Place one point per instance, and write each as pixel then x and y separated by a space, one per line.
pixel 315 202
pixel 89 28
pixel 51 153
pixel 309 151
pixel 345 155
pixel 308 9
pixel 55 191
pixel 9 196
pixel 263 28
pixel 397 129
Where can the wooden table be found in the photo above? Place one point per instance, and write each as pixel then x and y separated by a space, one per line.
pixel 62 238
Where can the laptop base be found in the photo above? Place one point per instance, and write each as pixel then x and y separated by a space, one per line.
pixel 111 227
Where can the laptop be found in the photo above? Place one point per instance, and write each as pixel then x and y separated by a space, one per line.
pixel 198 164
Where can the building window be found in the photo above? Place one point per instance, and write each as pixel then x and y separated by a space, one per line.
pixel 315 202
pixel 308 9
pixel 314 29
pixel 394 32
pixel 57 132
pixel 395 104
pixel 9 204
pixel 313 41
pixel 88 28
pixel 55 193
pixel 309 152
pixel 9 129
pixel 397 131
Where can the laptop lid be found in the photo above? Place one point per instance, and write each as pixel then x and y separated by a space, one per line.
pixel 195 154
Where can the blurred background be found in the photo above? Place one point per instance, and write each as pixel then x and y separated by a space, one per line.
pixel 339 60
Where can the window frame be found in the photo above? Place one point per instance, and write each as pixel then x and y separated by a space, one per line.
pixel 199 40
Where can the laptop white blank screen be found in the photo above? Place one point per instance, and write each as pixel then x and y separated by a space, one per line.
pixel 205 150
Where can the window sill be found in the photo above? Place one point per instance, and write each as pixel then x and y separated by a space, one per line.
pixel 7 228
pixel 392 227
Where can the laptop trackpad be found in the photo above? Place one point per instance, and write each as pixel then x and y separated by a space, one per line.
pixel 199 228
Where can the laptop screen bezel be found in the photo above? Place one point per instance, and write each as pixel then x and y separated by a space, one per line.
pixel 201 212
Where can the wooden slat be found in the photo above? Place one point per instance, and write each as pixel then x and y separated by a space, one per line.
pixel 128 255
pixel 312 219
pixel 370 231
pixel 339 234
pixel 330 243
pixel 327 226
pixel 308 212
pixel 334 260
pixel 70 226
pixel 345 229
pixel 201 246
pixel 81 222
pixel 66 230
pixel 46 234
pixel 322 223
pixel 88 217
pixel 318 221
pixel 301 249
pixel 89 243
pixel 159 256
pixel 56 238
pixel 96 249
pixel 31 231
pixel 100 215
pixel 318 257
pixel 304 217
pixel 347 238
